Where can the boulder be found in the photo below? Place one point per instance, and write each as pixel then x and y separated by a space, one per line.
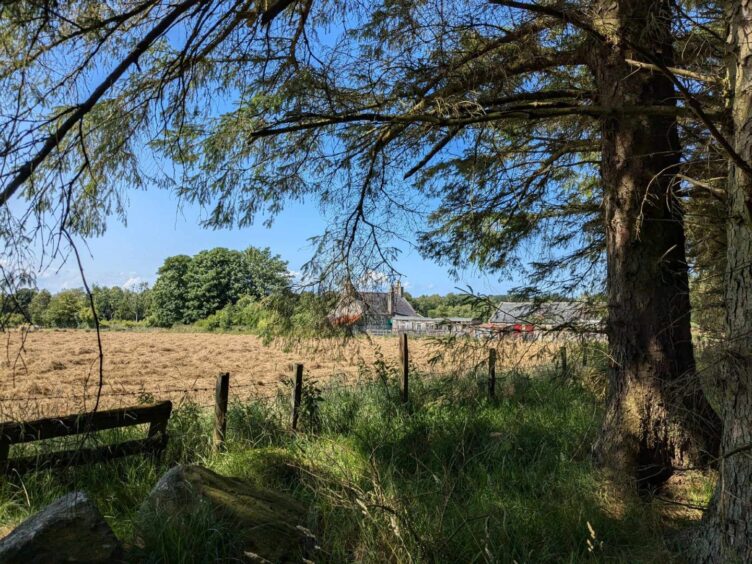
pixel 268 525
pixel 71 529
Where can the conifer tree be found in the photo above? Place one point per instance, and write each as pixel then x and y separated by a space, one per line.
pixel 552 127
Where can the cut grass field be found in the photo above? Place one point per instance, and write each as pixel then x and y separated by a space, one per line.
pixel 450 477
pixel 55 372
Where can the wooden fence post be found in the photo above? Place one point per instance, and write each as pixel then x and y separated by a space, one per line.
pixel 405 357
pixel 4 451
pixel 297 396
pixel 492 373
pixel 563 352
pixel 221 395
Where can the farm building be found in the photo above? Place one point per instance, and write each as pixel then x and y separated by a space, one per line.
pixel 433 326
pixel 372 311
pixel 547 318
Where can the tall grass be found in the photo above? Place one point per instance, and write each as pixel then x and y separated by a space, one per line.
pixel 452 476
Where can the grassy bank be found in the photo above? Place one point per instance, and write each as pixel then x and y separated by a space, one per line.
pixel 451 477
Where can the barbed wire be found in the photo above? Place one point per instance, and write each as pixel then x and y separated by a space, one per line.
pixel 328 386
pixel 325 386
pixel 278 392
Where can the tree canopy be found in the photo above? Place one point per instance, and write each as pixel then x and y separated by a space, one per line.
pixel 579 136
pixel 486 110
pixel 192 288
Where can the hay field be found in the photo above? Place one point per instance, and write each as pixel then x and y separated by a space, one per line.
pixel 55 372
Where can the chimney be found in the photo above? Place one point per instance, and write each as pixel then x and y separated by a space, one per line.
pixel 390 302
pixel 398 288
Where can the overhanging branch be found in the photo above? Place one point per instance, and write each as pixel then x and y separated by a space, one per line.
pixel 676 71
pixel 301 122
pixel 54 139
pixel 578 21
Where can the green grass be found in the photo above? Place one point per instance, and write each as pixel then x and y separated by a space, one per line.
pixel 450 477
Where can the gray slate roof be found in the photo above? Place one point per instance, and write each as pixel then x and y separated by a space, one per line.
pixel 548 313
pixel 377 303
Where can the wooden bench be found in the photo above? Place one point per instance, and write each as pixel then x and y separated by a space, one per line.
pixel 156 416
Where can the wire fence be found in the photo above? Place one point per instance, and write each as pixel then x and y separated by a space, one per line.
pixel 24 406
pixel 286 403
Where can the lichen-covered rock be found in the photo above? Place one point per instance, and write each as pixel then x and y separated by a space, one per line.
pixel 269 526
pixel 71 529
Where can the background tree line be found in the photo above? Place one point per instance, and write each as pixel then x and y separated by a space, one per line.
pixel 71 308
pixel 187 289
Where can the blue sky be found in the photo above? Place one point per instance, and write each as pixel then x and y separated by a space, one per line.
pixel 158 228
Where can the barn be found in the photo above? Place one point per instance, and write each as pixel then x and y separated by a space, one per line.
pixel 536 320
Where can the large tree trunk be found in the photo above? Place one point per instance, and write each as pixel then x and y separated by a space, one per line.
pixel 656 416
pixel 726 534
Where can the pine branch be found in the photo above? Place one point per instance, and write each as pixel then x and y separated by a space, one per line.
pixel 78 112
pixel 521 112
pixel 576 20
pixel 54 139
pixel 676 71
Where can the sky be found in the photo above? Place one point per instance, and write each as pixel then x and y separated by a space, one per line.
pixel 157 228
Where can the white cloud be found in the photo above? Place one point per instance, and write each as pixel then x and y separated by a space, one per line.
pixel 132 282
pixel 373 279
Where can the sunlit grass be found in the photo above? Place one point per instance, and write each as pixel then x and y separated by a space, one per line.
pixel 451 476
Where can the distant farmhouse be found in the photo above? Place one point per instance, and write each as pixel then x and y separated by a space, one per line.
pixel 372 311
pixel 434 325
pixel 390 312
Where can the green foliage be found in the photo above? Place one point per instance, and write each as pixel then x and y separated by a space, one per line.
pixel 64 309
pixel 453 477
pixel 38 307
pixel 190 289
pixel 15 306
pixel 72 308
pixel 169 293
pixel 213 280
pixel 283 315
pixel 455 305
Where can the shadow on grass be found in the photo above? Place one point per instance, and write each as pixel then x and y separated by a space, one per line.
pixel 450 477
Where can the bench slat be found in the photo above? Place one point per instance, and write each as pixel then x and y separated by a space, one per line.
pixel 92 455
pixel 41 429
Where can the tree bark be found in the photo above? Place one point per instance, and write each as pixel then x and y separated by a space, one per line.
pixel 726 531
pixel 657 416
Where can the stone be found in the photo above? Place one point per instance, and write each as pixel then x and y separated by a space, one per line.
pixel 268 525
pixel 71 529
